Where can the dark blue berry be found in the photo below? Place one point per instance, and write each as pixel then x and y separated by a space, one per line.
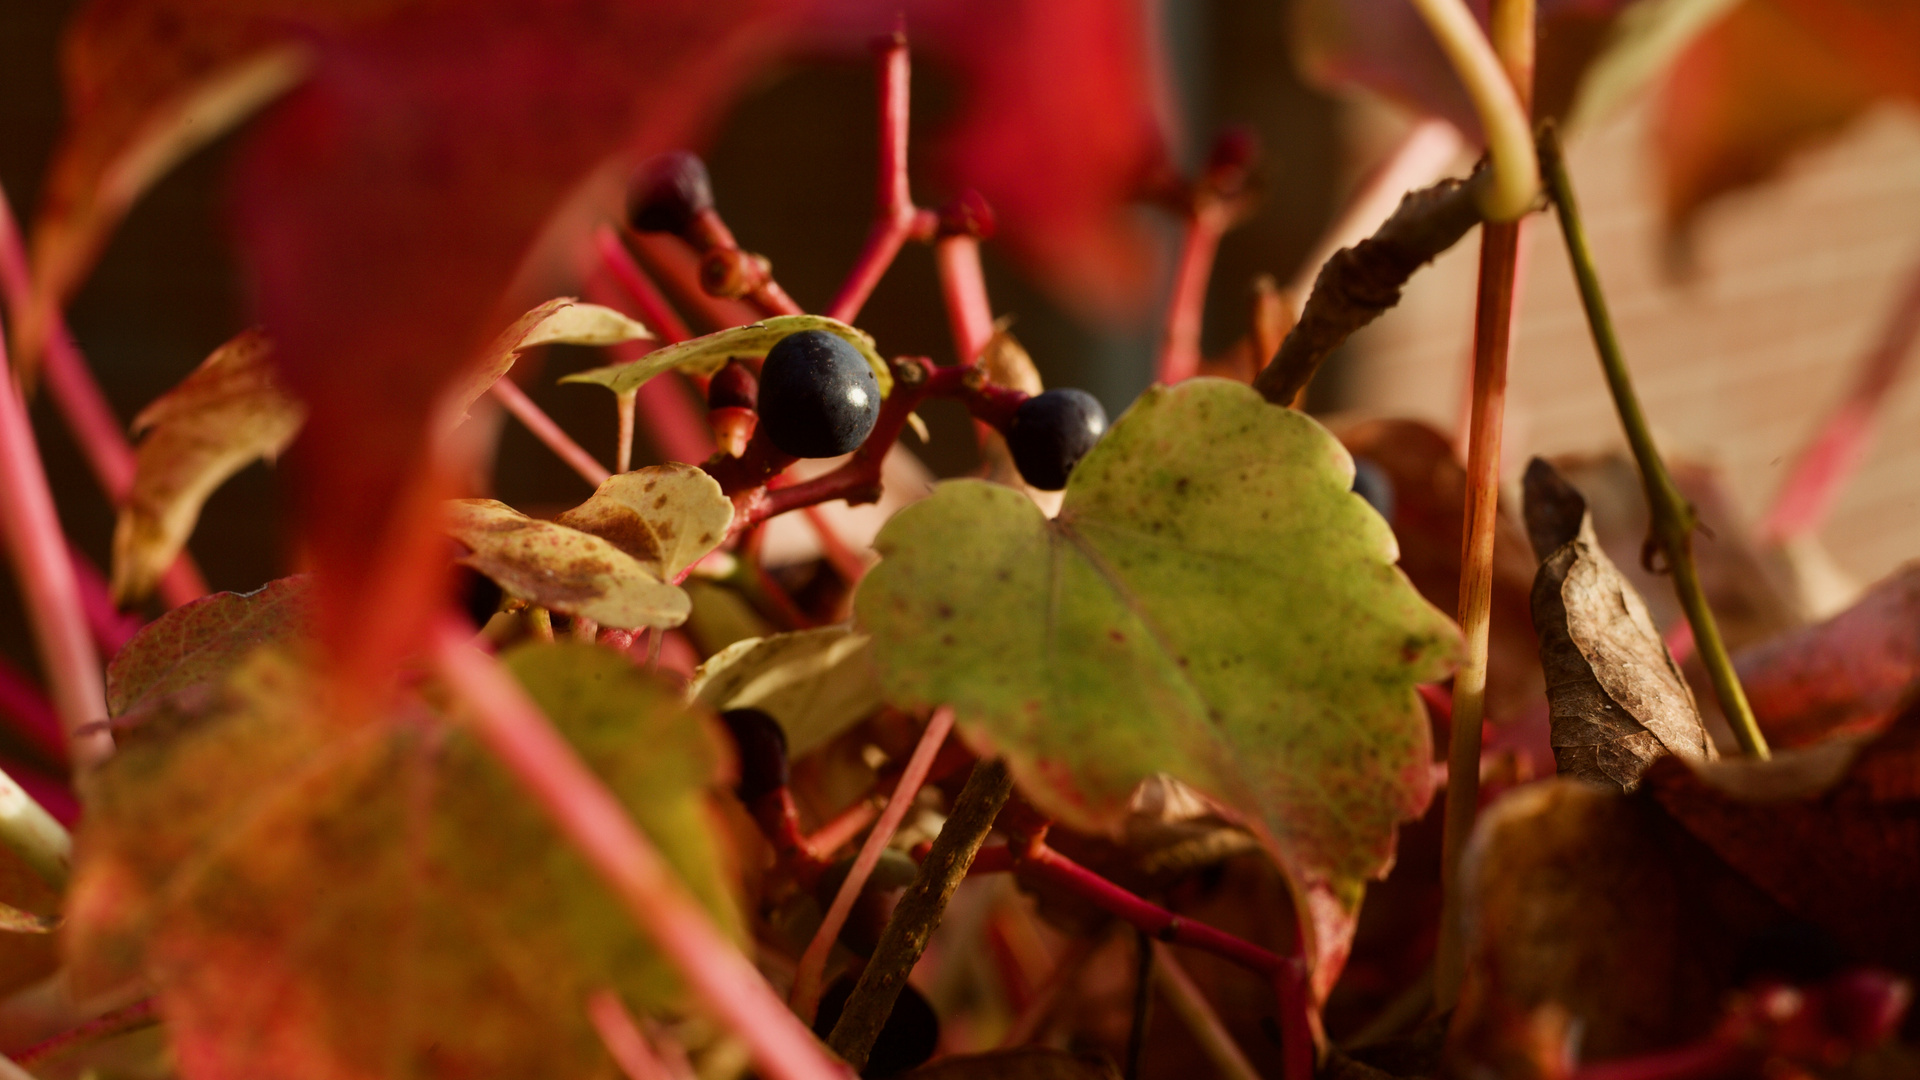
pixel 668 191
pixel 761 745
pixel 1372 483
pixel 1051 432
pixel 818 396
pixel 908 1038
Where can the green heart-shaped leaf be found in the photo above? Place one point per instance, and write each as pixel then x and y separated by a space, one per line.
pixel 1213 603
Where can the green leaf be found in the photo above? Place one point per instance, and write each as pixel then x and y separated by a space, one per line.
pixel 321 898
pixel 221 417
pixel 560 321
pixel 817 683
pixel 706 355
pixel 1213 603
pixel 666 516
pixel 199 644
pixel 563 569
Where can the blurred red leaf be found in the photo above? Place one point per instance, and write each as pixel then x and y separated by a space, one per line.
pixel 1849 673
pixel 384 208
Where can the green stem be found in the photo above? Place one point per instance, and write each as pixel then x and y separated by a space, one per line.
pixel 1515 182
pixel 1673 517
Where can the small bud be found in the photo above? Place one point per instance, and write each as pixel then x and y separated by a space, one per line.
pixel 668 191
pixel 730 273
pixel 968 215
pixel 733 387
pixel 733 428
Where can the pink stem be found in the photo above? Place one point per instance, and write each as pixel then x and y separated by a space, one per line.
pixel 111 628
pixel 537 421
pixel 813 962
pixel 897 218
pixel 626 1044
pixel 651 304
pixel 44 570
pixel 839 832
pixel 672 423
pixel 965 289
pixel 102 441
pixel 1180 345
pixel 676 266
pixel 1836 451
pixel 590 817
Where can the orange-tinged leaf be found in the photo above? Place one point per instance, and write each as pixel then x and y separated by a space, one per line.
pixel 666 516
pixel 562 569
pixel 560 321
pixel 228 412
pixel 1747 94
pixel 314 899
pixel 1212 602
pixel 198 645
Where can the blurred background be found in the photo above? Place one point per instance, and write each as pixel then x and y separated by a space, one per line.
pixel 1741 339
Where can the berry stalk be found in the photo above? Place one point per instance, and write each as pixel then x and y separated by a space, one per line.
pixel 535 419
pixel 896 219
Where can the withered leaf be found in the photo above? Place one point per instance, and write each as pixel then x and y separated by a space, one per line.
pixel 562 569
pixel 321 899
pixel 199 644
pixel 1618 701
pixel 1831 831
pixel 221 417
pixel 1586 900
pixel 666 516
pixel 1849 673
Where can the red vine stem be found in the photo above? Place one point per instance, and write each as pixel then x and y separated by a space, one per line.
pixel 142 1013
pixel 537 421
pixel 1835 453
pixel 1201 1019
pixel 1180 343
pixel 813 963
pixel 897 218
pixel 97 432
pixel 964 288
pixel 48 588
pixel 591 819
pixel 652 305
pixel 839 832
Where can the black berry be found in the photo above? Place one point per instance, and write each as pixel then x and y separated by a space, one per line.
pixel 761 744
pixel 476 593
pixel 908 1039
pixel 818 396
pixel 1051 432
pixel 1372 483
pixel 668 191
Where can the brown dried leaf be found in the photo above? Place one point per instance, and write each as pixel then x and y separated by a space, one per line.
pixel 1618 701
pixel 1849 673
pixel 1831 831
pixel 229 411
pixel 667 516
pixel 564 569
pixel 1583 899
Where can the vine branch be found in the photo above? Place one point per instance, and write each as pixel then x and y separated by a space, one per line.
pixel 1674 519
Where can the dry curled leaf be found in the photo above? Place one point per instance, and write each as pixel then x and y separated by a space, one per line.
pixel 666 516
pixel 1617 699
pixel 228 412
pixel 562 569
